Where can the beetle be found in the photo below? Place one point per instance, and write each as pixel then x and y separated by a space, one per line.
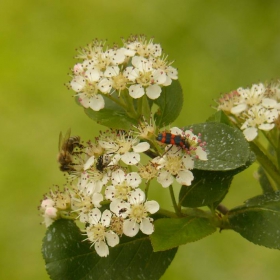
pixel 173 139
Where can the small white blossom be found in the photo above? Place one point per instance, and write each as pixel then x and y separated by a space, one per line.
pixel 136 212
pixel 258 117
pixel 122 184
pixel 175 164
pixel 126 146
pixel 99 233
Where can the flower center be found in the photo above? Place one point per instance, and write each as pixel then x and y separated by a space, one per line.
pixel 144 78
pixel 90 89
pixel 138 212
pixel 174 164
pixel 119 82
pixel 122 191
pixel 98 232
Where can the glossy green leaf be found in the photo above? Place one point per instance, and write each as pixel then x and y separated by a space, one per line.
pixel 170 104
pixel 258 220
pixel 68 257
pixel 173 232
pixel 226 147
pixel 112 116
pixel 207 188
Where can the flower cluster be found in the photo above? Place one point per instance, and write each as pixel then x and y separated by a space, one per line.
pixel 100 175
pixel 177 162
pixel 253 108
pixel 138 67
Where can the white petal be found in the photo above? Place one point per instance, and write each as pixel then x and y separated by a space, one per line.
pixel 112 71
pixel 89 163
pixel 130 228
pixel 47 220
pixel 94 216
pixel 153 91
pixel 117 207
pixel 83 218
pixel 202 155
pixel 101 249
pixel 112 238
pixel 110 192
pixel 136 91
pixel 51 212
pixel 188 162
pixel 92 75
pixel 105 85
pixel 119 56
pixel 165 179
pixel 238 109
pixel 176 130
pixel 129 52
pixel 184 177
pixel 159 77
pixel 130 158
pixel 266 126
pixel 47 203
pixel 78 68
pixel 137 196
pixel 167 82
pixel 250 133
pixel 83 180
pixel 133 179
pixel 106 218
pixel 84 100
pixel 152 206
pixel 269 103
pixel 118 177
pixel 141 147
pixel 96 102
pixel 172 72
pixel 96 199
pixel 78 83
pixel 146 226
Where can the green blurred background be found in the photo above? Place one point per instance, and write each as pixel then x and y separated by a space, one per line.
pixel 217 46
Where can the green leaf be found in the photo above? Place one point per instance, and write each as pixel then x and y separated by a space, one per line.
pixel 226 147
pixel 264 181
pixel 207 188
pixel 258 220
pixel 68 257
pixel 112 116
pixel 170 104
pixel 219 117
pixel 173 232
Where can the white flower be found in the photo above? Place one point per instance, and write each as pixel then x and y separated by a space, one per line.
pixel 99 232
pixel 136 211
pixel 49 212
pixel 126 147
pixel 139 45
pixel 175 164
pixel 258 117
pixel 86 86
pixel 248 97
pixel 122 184
pixel 146 78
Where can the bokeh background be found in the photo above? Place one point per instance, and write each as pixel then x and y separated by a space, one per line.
pixel 217 46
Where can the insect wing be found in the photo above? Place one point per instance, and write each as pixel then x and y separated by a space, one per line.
pixel 63 141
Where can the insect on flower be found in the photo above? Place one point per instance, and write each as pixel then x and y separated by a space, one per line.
pixel 102 162
pixel 67 148
pixel 173 139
